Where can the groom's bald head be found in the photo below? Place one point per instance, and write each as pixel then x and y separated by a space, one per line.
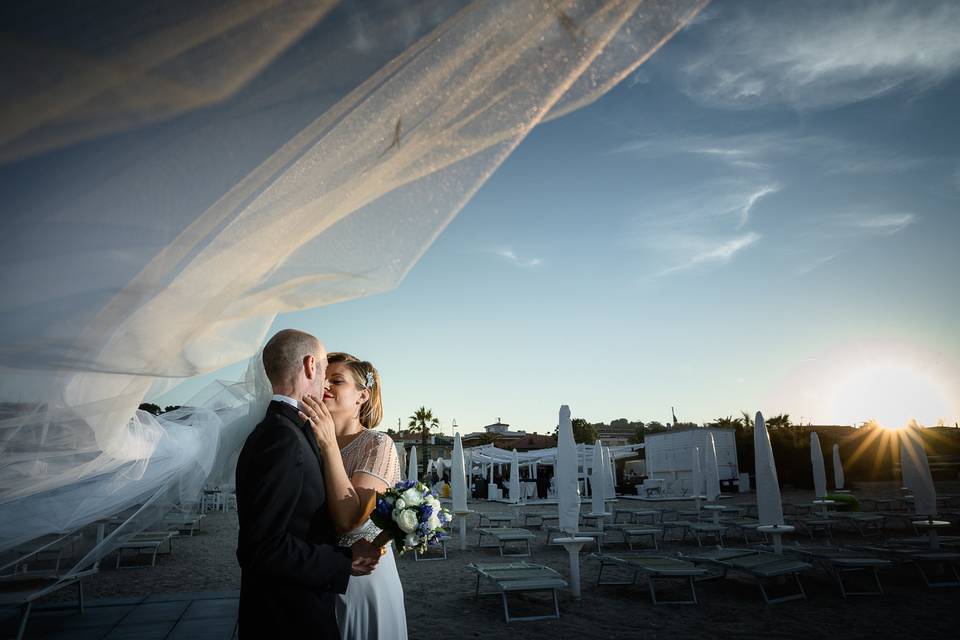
pixel 293 359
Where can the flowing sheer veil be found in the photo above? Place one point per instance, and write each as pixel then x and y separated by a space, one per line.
pixel 173 179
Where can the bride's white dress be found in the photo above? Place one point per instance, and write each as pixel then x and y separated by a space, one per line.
pixel 372 608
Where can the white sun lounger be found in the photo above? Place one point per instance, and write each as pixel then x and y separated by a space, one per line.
pixel 838 561
pixel 653 568
pixel 22 590
pixel 146 541
pixel 504 536
pixel 517 577
pixel 759 565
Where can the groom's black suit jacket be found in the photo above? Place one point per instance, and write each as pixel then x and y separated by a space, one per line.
pixel 290 566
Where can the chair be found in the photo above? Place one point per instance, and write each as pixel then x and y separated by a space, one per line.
pixel 653 568
pixel 517 578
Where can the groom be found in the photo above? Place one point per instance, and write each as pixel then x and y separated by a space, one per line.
pixel 290 564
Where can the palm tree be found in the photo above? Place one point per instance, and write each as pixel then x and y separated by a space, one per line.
pixel 782 420
pixel 422 420
pixel 728 423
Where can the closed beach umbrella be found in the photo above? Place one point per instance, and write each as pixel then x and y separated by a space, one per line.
pixel 610 467
pixel 598 479
pixel 568 489
pixel 711 471
pixel 837 467
pixel 412 465
pixel 401 457
pixel 819 470
pixel 515 478
pixel 916 472
pixel 697 476
pixel 458 477
pixel 769 507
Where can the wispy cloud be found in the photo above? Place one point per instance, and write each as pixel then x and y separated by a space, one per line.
pixel 752 200
pixel 830 54
pixel 512 258
pixel 765 151
pixel 813 265
pixel 881 223
pixel 702 251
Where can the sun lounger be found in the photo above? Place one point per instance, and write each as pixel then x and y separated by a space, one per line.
pixel 504 536
pixel 760 565
pixel 653 568
pixel 22 590
pixel 745 526
pixel 487 520
pixel 839 561
pixel 862 523
pixel 699 529
pixel 183 523
pixel 632 532
pixel 146 541
pixel 520 577
pixel 929 563
pixel 50 549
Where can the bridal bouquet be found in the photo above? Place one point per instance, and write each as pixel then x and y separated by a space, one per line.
pixel 411 514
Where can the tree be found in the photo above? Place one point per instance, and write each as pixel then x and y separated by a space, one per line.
pixel 583 431
pixel 728 423
pixel 779 421
pixel 641 433
pixel 747 421
pixel 150 408
pixel 486 438
pixel 421 421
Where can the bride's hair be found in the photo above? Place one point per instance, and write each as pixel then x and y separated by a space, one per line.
pixel 367 377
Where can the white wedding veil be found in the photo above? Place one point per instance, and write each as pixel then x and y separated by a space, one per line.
pixel 176 174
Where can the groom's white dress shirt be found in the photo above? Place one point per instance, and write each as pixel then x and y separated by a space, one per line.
pixel 290 401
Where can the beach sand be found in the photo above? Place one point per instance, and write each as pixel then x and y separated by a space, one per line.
pixel 440 601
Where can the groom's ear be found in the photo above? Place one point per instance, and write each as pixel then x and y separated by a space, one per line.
pixel 309 367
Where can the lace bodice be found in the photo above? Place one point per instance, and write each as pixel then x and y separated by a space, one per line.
pixel 373 453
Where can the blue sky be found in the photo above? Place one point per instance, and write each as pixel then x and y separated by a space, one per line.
pixel 763 217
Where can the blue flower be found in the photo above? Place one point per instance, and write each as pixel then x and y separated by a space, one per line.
pixel 425 512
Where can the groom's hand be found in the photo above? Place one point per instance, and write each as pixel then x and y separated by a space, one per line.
pixel 366 555
pixel 321 422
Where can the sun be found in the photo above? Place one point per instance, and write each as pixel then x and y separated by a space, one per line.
pixel 891 395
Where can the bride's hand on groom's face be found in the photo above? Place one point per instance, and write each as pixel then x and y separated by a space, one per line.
pixel 321 422
pixel 366 555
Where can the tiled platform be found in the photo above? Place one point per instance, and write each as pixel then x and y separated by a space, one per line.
pixel 209 615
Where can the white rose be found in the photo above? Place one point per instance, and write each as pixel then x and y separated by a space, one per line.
pixel 434 521
pixel 411 541
pixel 412 497
pixel 433 502
pixel 407 520
pixel 400 504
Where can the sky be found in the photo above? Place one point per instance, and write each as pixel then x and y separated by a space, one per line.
pixel 764 217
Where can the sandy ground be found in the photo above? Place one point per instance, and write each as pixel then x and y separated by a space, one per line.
pixel 440 602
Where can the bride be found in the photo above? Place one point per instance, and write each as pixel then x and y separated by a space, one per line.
pixel 358 463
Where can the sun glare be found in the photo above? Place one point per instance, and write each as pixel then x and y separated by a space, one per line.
pixel 891 395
